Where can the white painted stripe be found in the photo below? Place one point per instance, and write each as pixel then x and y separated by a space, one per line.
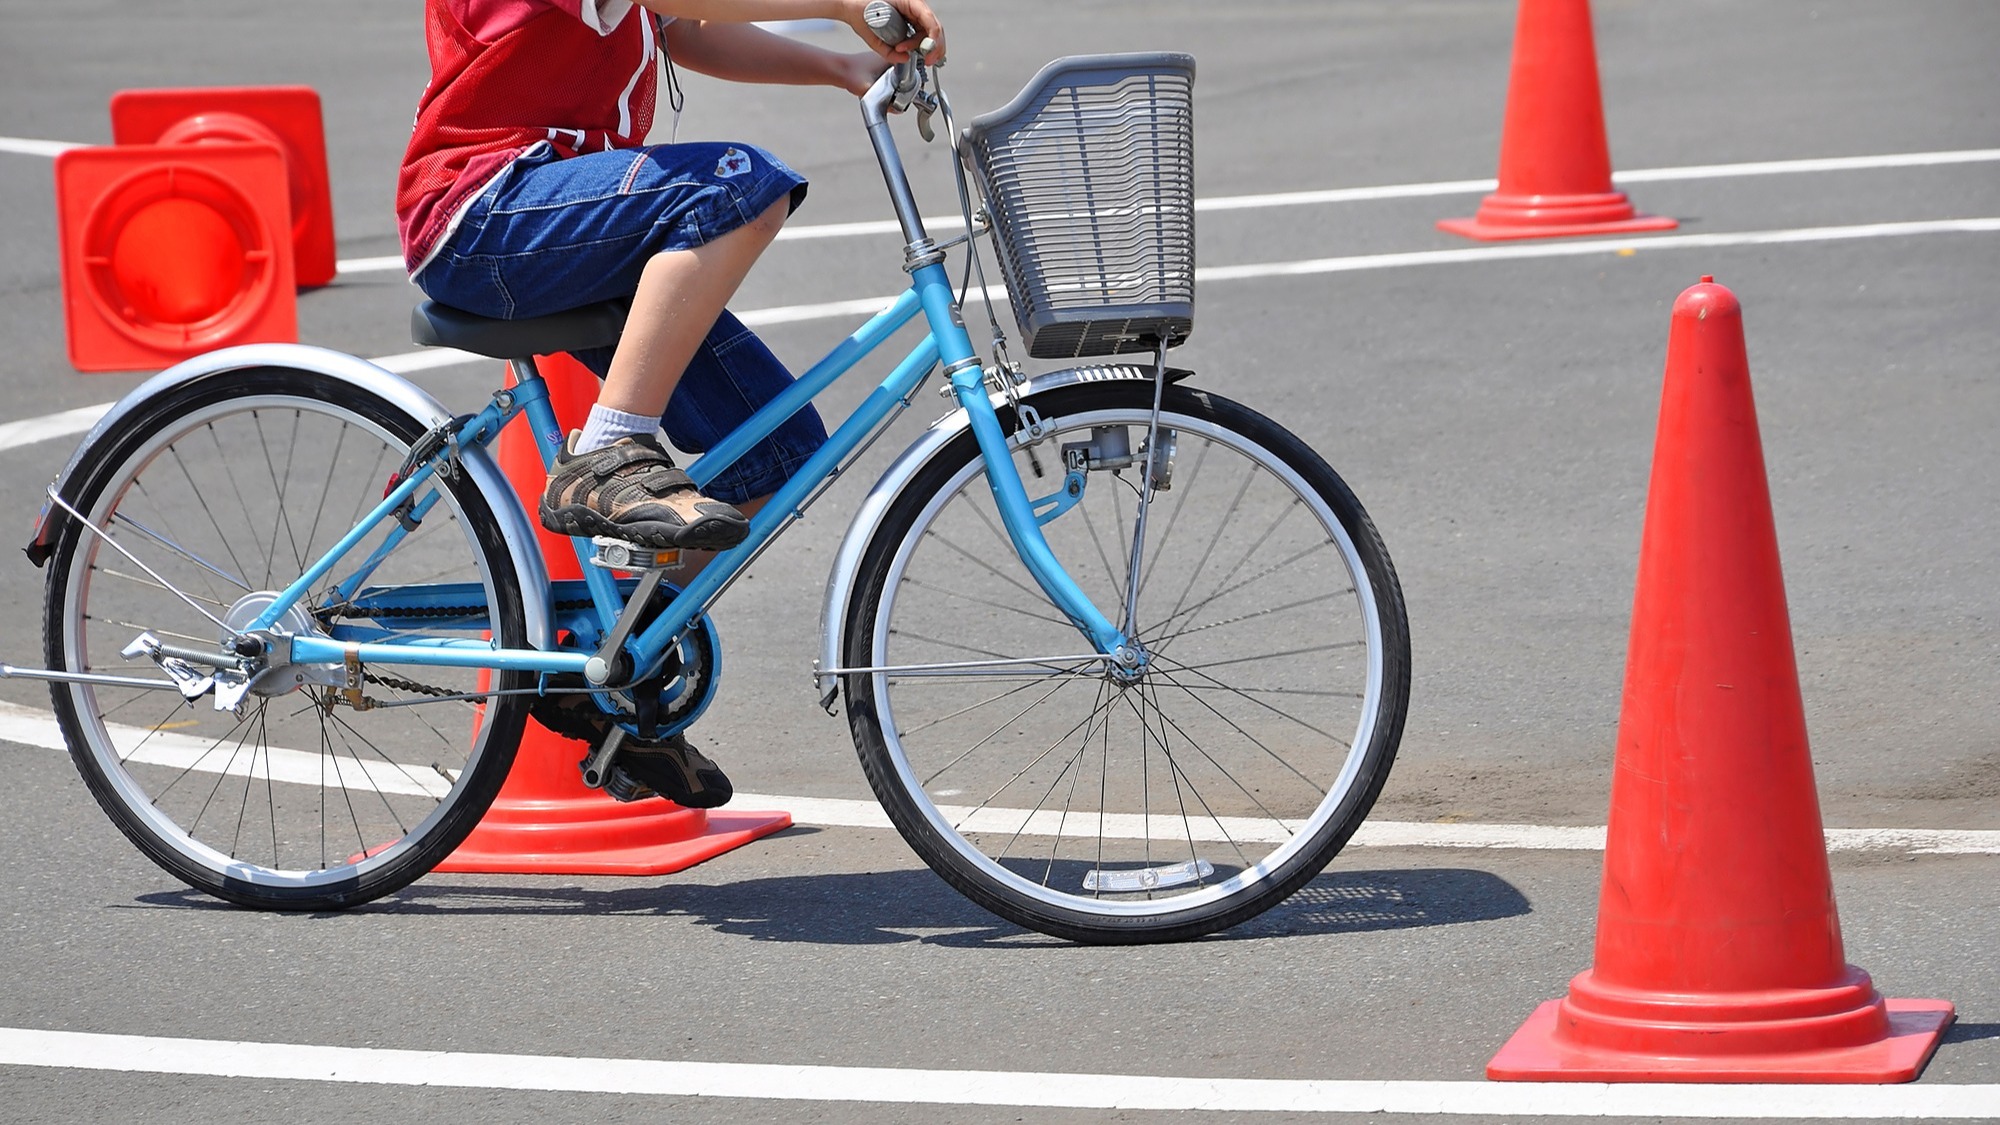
pixel 48 427
pixel 1461 255
pixel 1820 164
pixel 32 727
pixel 1523 250
pixel 32 430
pixel 368 265
pixel 1402 191
pixel 779 1082
pixel 403 363
pixel 31 147
pixel 28 147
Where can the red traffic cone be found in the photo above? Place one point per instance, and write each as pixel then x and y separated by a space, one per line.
pixel 285 117
pixel 1555 166
pixel 545 821
pixel 169 251
pixel 1718 954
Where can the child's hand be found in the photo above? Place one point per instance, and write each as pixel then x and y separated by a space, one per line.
pixel 859 71
pixel 920 16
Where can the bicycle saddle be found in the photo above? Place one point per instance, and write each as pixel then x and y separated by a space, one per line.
pixel 592 326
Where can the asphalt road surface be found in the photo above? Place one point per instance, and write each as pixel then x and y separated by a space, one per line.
pixel 1495 413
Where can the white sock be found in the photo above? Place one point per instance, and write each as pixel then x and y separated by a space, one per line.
pixel 606 425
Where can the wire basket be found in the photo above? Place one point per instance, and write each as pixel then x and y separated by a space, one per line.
pixel 1089 177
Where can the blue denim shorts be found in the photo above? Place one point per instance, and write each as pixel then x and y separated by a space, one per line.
pixel 551 234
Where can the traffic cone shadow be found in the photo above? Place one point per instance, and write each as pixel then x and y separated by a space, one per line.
pixel 1718 954
pixel 1555 164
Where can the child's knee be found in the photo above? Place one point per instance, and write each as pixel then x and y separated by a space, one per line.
pixel 773 218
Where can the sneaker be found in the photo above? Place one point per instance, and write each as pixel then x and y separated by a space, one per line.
pixel 668 768
pixel 630 490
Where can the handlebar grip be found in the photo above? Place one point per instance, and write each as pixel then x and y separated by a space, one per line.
pixel 886 22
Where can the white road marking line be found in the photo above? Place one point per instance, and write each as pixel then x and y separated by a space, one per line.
pixel 26 146
pixel 1403 191
pixel 32 727
pixel 1523 250
pixel 897 1085
pixel 31 147
pixel 48 427
pixel 368 265
pixel 31 430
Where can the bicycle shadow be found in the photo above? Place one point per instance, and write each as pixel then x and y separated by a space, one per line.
pixel 914 905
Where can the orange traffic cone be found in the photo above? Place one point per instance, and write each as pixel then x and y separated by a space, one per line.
pixel 545 821
pixel 1718 953
pixel 1555 166
pixel 284 117
pixel 169 251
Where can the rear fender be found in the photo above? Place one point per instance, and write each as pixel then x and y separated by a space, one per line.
pixel 478 463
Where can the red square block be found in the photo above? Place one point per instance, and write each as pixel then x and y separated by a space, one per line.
pixel 169 251
pixel 285 116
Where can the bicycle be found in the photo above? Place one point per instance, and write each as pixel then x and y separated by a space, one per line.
pixel 1146 704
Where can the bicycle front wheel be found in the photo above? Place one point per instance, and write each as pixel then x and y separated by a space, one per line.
pixel 1110 805
pixel 320 790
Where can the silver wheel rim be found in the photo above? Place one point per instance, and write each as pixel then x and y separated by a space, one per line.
pixel 438 788
pixel 946 820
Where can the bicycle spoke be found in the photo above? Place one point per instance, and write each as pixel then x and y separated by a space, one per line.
pixel 1181 776
pixel 183 552
pixel 1225 592
pixel 227 542
pixel 963 596
pixel 1281 714
pixel 988 701
pixel 1231 778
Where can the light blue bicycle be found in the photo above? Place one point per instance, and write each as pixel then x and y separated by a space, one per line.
pixel 1124 661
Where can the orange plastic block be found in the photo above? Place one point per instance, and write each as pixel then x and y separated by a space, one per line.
pixel 169 251
pixel 285 116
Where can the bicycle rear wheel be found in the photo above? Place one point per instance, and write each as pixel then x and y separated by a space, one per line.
pixel 1148 807
pixel 211 498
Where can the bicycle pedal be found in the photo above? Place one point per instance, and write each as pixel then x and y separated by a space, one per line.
pixel 620 786
pixel 619 554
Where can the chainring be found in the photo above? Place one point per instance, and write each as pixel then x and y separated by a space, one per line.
pixel 569 708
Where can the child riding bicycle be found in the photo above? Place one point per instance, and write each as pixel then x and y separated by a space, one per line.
pixel 528 188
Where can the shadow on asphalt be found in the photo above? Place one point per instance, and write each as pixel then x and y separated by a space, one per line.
pixel 1962 1032
pixel 888 907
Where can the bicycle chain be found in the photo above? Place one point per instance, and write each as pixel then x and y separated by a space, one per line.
pixel 569 713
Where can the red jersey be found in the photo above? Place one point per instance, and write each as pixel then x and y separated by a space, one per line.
pixel 580 75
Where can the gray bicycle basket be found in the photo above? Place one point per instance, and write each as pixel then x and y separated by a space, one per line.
pixel 1089 177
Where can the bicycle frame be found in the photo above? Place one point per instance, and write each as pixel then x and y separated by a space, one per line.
pixel 930 293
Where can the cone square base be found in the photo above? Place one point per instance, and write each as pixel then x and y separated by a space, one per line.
pixel 654 838
pixel 1536 1054
pixel 1497 232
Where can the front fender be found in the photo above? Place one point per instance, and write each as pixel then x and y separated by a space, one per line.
pixel 478 463
pixel 847 560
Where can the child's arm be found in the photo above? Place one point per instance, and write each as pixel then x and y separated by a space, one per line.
pixel 714 13
pixel 741 52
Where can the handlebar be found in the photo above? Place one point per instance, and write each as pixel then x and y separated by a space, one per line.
pixel 891 28
pixel 886 22
pixel 895 91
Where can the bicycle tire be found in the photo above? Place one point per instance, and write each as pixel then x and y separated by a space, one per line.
pixel 939 583
pixel 225 487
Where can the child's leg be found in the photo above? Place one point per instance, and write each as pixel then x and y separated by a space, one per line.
pixel 614 479
pixel 680 295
